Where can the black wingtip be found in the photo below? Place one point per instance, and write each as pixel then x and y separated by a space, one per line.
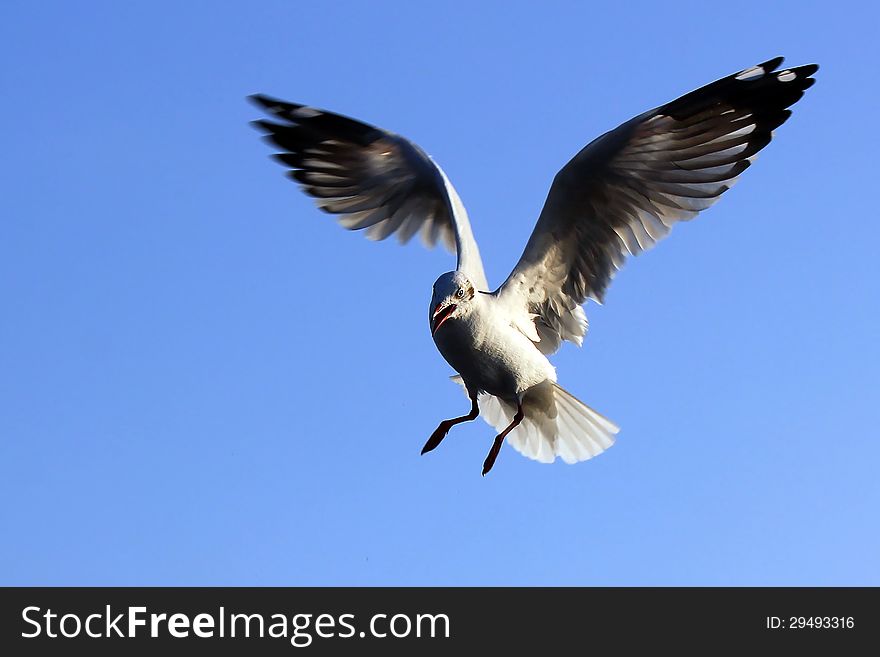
pixel 263 125
pixel 803 71
pixel 275 106
pixel 287 159
pixel 808 69
pixel 258 99
pixel 772 64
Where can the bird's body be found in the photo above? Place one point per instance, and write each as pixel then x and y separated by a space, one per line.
pixel 618 196
pixel 489 353
pixel 493 345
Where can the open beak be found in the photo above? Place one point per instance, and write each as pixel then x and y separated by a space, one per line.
pixel 441 314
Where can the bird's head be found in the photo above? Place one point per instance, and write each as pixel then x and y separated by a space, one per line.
pixel 452 298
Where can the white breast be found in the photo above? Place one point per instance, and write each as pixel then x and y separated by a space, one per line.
pixel 490 354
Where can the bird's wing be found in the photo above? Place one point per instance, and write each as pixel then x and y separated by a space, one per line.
pixel 372 179
pixel 624 191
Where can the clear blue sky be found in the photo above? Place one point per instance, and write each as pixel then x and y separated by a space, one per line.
pixel 204 380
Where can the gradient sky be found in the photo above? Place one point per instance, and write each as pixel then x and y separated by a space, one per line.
pixel 204 380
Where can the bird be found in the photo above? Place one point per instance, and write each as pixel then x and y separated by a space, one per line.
pixel 616 197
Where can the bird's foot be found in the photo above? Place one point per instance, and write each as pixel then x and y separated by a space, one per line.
pixel 493 454
pixel 437 437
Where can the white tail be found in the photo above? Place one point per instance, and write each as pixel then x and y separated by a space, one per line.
pixel 555 424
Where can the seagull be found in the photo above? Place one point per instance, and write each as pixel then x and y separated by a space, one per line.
pixel 618 196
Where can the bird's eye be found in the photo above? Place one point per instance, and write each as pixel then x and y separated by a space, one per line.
pixel 459 293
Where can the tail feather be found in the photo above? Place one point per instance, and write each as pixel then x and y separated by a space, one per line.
pixel 556 424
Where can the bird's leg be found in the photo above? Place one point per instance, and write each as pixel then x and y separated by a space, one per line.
pixel 499 439
pixel 441 431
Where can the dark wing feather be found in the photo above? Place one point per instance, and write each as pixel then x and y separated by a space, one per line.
pixel 624 191
pixel 372 179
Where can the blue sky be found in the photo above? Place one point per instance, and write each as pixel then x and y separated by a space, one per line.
pixel 203 380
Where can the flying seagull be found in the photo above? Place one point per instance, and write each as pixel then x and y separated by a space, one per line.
pixel 619 195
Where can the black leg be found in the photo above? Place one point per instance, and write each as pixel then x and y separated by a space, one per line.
pixel 499 439
pixel 441 431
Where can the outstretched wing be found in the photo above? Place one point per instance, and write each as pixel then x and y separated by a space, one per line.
pixel 624 191
pixel 371 178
